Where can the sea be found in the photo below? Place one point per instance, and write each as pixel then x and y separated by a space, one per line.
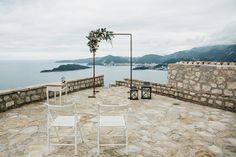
pixel 20 73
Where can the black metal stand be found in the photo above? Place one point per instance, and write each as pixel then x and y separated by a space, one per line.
pixel 94 91
pixel 146 91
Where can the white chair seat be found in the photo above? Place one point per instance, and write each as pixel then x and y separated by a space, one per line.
pixel 68 121
pixel 112 121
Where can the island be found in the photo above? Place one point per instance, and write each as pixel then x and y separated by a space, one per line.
pixel 67 67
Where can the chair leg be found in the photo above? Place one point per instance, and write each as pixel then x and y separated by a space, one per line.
pixel 98 143
pixel 76 136
pixel 126 140
pixel 81 134
pixel 48 139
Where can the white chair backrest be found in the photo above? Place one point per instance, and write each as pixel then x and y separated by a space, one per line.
pixel 61 110
pixel 120 109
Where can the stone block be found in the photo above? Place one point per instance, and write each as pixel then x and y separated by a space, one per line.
pixel 32 92
pixel 22 95
pixel 220 80
pixel 180 85
pixel 229 104
pixel 9 103
pixel 71 89
pixel 216 72
pixel 174 72
pixel 228 92
pixel 27 99
pixel 231 85
pixel 39 91
pixel 2 107
pixel 186 81
pixel 206 88
pixel 186 91
pixel 191 82
pixel 35 97
pixel 210 101
pixel 206 95
pixel 203 79
pixel 15 96
pixel 179 77
pixel 197 87
pixel 218 102
pixel 19 101
pixel 213 85
pixel 203 99
pixel 216 91
pixel 181 95
pixel 166 92
pixel 222 86
pixel 213 96
pixel 198 74
pixel 6 98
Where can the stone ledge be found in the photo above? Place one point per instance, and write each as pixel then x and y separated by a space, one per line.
pixel 206 99
pixel 207 63
pixel 18 97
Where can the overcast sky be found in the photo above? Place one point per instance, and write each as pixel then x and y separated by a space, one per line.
pixel 56 29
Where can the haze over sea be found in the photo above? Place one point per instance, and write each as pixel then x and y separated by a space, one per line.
pixel 19 74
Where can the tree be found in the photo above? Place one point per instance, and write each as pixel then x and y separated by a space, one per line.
pixel 94 38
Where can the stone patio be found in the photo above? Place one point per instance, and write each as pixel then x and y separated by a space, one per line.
pixel 161 126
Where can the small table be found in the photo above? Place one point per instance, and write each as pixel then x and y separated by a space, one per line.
pixel 58 87
pixel 134 93
pixel 146 90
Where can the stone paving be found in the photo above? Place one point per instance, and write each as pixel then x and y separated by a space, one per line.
pixel 161 126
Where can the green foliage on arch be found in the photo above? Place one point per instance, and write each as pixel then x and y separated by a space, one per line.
pixel 95 37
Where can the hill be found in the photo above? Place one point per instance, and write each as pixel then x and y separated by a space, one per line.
pixel 222 53
pixel 110 60
pixel 67 67
pixel 150 58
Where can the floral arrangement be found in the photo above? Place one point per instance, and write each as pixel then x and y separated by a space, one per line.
pixel 95 37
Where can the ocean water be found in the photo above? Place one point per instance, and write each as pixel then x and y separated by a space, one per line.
pixel 18 74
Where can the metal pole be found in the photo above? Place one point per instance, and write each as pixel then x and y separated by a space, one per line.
pixel 131 62
pixel 94 92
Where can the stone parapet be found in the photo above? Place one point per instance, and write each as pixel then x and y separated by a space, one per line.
pixel 206 63
pixel 201 93
pixel 18 97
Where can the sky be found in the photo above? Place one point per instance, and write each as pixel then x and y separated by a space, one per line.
pixel 57 29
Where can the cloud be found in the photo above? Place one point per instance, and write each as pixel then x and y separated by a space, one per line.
pixel 29 28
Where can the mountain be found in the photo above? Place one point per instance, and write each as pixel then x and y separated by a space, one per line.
pixel 86 60
pixel 222 53
pixel 110 60
pixel 151 58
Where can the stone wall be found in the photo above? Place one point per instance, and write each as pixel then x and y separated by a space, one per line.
pixel 211 84
pixel 16 98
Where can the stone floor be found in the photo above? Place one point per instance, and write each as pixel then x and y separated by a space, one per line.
pixel 161 126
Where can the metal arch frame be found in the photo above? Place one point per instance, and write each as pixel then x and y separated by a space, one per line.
pixel 131 62
pixel 131 55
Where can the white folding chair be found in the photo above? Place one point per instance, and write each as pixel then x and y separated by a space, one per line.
pixel 56 88
pixel 58 119
pixel 112 119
